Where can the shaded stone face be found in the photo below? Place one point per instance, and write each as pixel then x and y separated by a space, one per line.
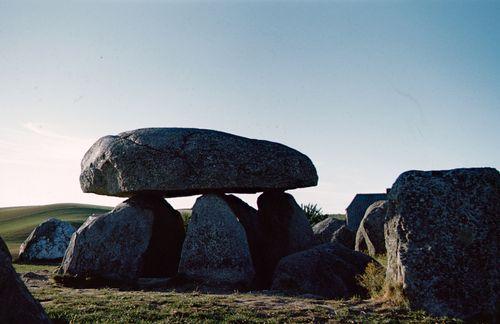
pixel 441 233
pixel 344 236
pixel 216 250
pixel 141 237
pixel 48 241
pixel 187 161
pixel 17 305
pixel 324 230
pixel 327 270
pixel 284 228
pixel 370 234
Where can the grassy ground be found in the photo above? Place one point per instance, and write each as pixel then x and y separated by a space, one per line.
pixel 109 305
pixel 16 223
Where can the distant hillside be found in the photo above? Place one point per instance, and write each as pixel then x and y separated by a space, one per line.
pixel 16 223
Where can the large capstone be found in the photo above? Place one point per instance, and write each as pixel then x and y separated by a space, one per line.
pixel 284 228
pixel 324 230
pixel 141 237
pixel 329 270
pixel 17 305
pixel 187 161
pixel 48 241
pixel 370 235
pixel 216 250
pixel 442 235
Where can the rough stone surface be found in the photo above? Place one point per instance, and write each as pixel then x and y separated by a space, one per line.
pixel 17 305
pixel 323 231
pixel 344 236
pixel 327 270
pixel 442 237
pixel 285 230
pixel 216 250
pixel 187 161
pixel 358 206
pixel 48 241
pixel 249 219
pixel 141 237
pixel 370 234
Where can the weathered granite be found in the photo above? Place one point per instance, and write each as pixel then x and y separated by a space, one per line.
pixel 141 237
pixel 285 230
pixel 442 233
pixel 17 305
pixel 370 234
pixel 357 208
pixel 344 236
pixel 188 161
pixel 327 270
pixel 48 241
pixel 324 230
pixel 216 250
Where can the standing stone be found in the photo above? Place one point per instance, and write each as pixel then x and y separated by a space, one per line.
pixel 358 206
pixel 188 161
pixel 370 235
pixel 248 218
pixel 141 237
pixel 327 270
pixel 17 305
pixel 48 241
pixel 442 235
pixel 344 236
pixel 285 230
pixel 323 231
pixel 216 250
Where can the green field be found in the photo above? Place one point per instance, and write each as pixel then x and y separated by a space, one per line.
pixel 16 223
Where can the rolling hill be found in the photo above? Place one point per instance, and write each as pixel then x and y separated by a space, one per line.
pixel 16 223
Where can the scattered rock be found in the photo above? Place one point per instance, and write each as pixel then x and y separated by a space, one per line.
pixel 358 206
pixel 328 270
pixel 285 230
pixel 370 235
pixel 344 236
pixel 141 237
pixel 17 305
pixel 323 231
pixel 48 241
pixel 187 161
pixel 442 236
pixel 216 250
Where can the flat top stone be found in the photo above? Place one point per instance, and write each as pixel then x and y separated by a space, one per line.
pixel 175 162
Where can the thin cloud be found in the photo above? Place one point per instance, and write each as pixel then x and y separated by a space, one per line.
pixel 41 130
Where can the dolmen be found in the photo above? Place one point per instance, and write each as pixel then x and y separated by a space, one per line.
pixel 47 242
pixel 227 242
pixel 17 305
pixel 441 232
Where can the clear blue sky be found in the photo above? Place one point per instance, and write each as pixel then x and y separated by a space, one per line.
pixel 366 89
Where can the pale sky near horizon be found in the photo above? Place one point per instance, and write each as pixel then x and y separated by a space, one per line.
pixel 366 89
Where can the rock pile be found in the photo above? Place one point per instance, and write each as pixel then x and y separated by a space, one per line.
pixel 227 243
pixel 48 241
pixel 441 233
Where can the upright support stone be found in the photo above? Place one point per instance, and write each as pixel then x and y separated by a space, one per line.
pixel 285 230
pixel 141 237
pixel 216 250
